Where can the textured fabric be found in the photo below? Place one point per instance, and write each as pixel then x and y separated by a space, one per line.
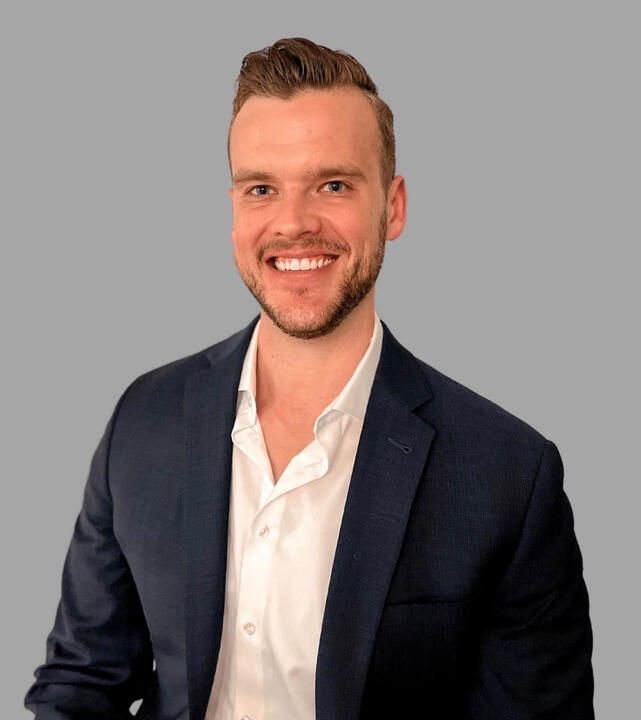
pixel 456 590
pixel 282 539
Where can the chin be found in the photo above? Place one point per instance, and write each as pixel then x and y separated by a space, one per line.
pixel 307 325
pixel 304 329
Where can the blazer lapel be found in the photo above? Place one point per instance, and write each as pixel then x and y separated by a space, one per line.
pixel 390 459
pixel 210 410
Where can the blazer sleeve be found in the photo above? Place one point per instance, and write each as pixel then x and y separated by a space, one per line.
pixel 535 658
pixel 99 657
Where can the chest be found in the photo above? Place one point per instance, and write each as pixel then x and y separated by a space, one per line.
pixel 285 435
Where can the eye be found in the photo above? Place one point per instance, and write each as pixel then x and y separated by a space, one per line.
pixel 334 186
pixel 260 190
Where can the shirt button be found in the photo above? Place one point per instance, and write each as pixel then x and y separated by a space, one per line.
pixel 249 628
pixel 263 531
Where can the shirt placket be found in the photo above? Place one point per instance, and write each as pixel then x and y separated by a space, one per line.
pixel 253 593
pixel 259 547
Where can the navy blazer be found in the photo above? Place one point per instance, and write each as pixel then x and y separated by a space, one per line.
pixel 456 590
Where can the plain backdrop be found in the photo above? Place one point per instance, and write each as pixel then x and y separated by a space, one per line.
pixel 518 134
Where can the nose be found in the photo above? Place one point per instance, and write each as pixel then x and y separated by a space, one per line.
pixel 296 215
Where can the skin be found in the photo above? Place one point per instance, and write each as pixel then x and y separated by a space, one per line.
pixel 307 188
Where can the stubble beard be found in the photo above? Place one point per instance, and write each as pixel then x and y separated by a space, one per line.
pixel 320 322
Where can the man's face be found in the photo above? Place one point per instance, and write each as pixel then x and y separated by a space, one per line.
pixel 310 214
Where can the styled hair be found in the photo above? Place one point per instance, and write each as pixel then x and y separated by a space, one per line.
pixel 292 65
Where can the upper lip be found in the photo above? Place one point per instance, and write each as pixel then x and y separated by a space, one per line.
pixel 300 254
pixel 300 250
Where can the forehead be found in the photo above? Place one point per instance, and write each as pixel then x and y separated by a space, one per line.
pixel 313 122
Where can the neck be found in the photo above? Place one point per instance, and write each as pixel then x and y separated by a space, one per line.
pixel 306 375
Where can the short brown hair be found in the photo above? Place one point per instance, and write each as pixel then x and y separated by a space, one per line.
pixel 294 64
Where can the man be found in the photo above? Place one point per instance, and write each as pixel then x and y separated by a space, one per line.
pixel 304 520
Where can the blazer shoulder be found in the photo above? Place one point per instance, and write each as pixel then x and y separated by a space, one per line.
pixel 159 394
pixel 176 373
pixel 456 405
pixel 468 401
pixel 446 403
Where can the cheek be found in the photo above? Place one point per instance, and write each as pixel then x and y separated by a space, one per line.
pixel 240 231
pixel 240 244
pixel 365 219
pixel 363 230
pixel 245 226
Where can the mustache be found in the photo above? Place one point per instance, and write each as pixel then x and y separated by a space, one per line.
pixel 281 247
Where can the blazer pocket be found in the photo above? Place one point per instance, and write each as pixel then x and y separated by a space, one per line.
pixel 411 622
pixel 423 652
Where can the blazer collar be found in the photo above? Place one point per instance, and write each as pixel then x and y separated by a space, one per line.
pixel 401 373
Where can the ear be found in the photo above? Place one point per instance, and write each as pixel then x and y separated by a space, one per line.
pixel 396 207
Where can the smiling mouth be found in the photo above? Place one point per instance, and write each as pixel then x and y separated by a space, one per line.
pixel 307 263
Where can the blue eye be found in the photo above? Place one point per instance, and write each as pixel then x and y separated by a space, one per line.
pixel 260 190
pixel 335 186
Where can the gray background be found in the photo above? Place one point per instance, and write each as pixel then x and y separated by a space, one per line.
pixel 518 133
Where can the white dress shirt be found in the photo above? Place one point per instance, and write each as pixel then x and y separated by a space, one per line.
pixel 282 539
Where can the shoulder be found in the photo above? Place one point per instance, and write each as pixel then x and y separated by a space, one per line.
pixel 174 375
pixel 479 435
pixel 455 404
pixel 468 425
pixel 160 393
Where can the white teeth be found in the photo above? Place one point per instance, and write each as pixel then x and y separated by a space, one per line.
pixel 303 264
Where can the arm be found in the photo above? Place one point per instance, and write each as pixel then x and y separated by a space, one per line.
pixel 98 654
pixel 535 659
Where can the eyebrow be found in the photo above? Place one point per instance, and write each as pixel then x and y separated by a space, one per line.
pixel 332 171
pixel 319 173
pixel 244 176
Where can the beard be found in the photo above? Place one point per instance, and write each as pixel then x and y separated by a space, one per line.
pixel 299 322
